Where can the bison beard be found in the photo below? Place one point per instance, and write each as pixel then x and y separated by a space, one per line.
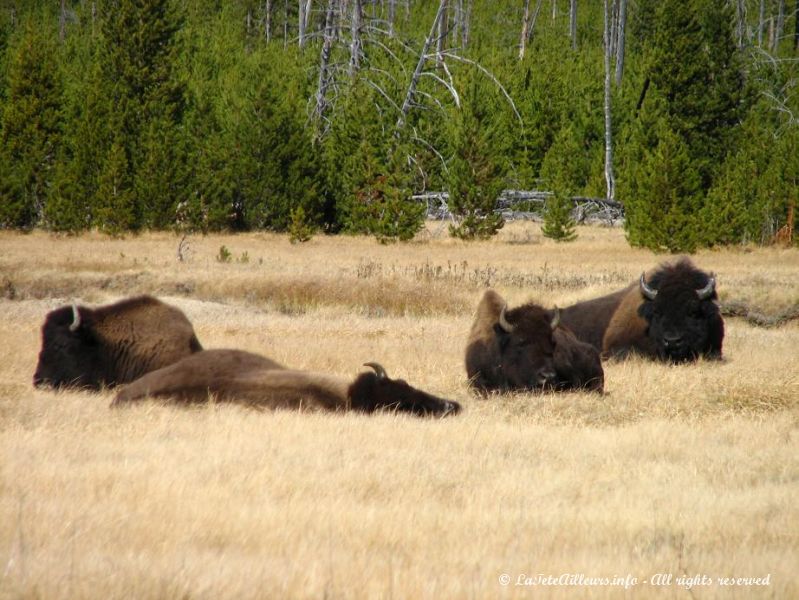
pixel 113 344
pixel 237 376
pixel 526 349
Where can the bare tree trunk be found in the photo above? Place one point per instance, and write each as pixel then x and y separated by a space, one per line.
pixel 779 27
pixel 771 39
pixel 268 20
pixel 466 25
pixel 62 21
pixel 740 22
pixel 457 20
pixel 356 47
pixel 554 9
pixel 796 27
pixel 620 33
pixel 286 26
pixel 308 6
pixel 525 29
pixel 573 23
pixel 301 24
pixel 614 19
pixel 528 25
pixel 443 31
pixel 417 73
pixel 324 69
pixel 761 23
pixel 392 13
pixel 611 184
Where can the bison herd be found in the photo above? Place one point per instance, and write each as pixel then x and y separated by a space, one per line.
pixel 150 349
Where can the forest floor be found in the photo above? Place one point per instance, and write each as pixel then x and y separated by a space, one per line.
pixel 680 481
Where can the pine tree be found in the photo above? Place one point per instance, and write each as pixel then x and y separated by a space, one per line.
pixel 368 175
pixel 31 128
pixel 476 173
pixel 140 52
pixel 664 196
pixel 687 120
pixel 565 173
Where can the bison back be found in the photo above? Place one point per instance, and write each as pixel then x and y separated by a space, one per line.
pixel 194 377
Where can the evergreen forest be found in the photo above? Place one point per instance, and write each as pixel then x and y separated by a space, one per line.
pixel 327 116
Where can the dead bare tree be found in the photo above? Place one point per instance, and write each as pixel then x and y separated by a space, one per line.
pixel 609 179
pixel 303 16
pixel 443 31
pixel 779 25
pixel 466 24
pixel 324 69
pixel 528 25
pixel 796 25
pixel 62 21
pixel 525 29
pixel 392 14
pixel 621 26
pixel 356 46
pixel 573 23
pixel 417 73
pixel 268 7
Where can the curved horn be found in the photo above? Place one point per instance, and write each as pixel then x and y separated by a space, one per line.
pixel 75 318
pixel 555 319
pixel 503 321
pixel 381 372
pixel 647 291
pixel 706 291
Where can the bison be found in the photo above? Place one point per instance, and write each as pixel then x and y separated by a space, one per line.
pixel 112 344
pixel 671 315
pixel 526 348
pixel 238 376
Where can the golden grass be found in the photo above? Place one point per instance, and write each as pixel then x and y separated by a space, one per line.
pixel 682 470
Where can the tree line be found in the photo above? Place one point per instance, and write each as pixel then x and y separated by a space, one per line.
pixel 328 115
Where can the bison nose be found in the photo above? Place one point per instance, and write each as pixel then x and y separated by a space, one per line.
pixel 672 340
pixel 546 377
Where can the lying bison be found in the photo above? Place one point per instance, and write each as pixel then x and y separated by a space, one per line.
pixel 671 315
pixel 527 349
pixel 117 343
pixel 238 376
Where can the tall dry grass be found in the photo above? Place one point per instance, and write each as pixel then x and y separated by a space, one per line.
pixel 681 470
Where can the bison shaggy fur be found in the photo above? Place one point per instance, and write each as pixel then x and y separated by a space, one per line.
pixel 243 377
pixel 526 349
pixel 113 344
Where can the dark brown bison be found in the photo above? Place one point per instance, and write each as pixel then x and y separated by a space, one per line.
pixel 113 344
pixel 670 314
pixel 526 348
pixel 238 376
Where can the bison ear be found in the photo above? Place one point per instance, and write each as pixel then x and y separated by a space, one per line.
pixel 75 319
pixel 502 336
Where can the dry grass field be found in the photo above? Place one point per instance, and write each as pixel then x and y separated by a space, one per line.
pixel 683 471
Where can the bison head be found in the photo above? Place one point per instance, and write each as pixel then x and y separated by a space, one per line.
pixel 526 346
pixel 374 391
pixel 69 354
pixel 683 318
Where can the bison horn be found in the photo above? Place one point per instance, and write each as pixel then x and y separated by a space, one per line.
pixel 381 372
pixel 503 321
pixel 555 318
pixel 75 318
pixel 648 292
pixel 706 291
